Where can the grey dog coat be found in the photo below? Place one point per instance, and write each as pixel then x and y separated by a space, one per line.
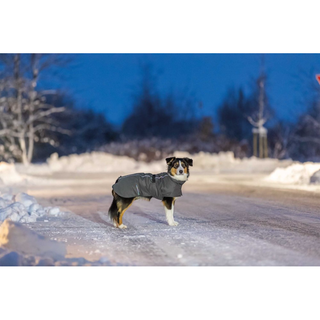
pixel 148 185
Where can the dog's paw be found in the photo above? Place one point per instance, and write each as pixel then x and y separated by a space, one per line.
pixel 122 226
pixel 173 223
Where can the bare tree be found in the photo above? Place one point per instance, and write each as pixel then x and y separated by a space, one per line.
pixel 258 119
pixel 24 111
pixel 261 115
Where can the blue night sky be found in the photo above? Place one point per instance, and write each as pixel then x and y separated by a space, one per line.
pixel 106 82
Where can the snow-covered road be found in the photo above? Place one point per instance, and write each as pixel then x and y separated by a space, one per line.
pixel 219 224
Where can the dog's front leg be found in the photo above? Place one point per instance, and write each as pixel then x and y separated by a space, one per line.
pixel 169 210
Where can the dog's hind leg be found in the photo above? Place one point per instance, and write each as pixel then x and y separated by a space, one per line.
pixel 168 203
pixel 118 206
pixel 123 206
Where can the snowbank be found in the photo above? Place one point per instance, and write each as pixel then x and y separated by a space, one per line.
pixel 13 258
pixel 16 237
pixel 224 162
pixel 23 208
pixel 8 174
pixel 204 160
pixel 20 246
pixel 89 162
pixel 299 173
pixel 99 162
pixel 105 162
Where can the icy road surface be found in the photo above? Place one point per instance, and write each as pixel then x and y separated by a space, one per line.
pixel 221 223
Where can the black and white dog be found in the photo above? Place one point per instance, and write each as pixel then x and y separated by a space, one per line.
pixel 165 186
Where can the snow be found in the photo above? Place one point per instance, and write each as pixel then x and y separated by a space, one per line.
pixel 25 199
pixel 24 208
pixel 297 174
pixel 21 246
pixel 83 234
pixel 54 211
pixel 107 163
pixel 63 171
pixel 8 174
pixel 16 237
pixel 91 162
pixel 315 178
pixel 225 162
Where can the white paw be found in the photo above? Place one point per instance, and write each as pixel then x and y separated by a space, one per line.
pixel 122 226
pixel 173 223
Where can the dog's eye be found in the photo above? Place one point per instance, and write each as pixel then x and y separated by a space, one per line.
pixel 176 165
pixel 183 165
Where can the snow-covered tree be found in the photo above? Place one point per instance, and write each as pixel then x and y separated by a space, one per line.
pixel 25 114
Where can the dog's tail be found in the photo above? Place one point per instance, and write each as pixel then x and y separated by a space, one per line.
pixel 113 210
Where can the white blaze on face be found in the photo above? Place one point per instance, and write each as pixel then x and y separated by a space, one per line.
pixel 180 168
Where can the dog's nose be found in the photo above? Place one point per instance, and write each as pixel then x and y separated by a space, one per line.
pixel 181 171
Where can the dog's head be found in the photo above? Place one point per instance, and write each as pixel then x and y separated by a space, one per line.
pixel 178 168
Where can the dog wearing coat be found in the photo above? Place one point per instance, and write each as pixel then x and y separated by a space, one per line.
pixel 165 186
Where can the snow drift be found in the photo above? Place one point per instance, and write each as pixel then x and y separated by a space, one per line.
pixel 105 162
pixel 16 237
pixel 20 246
pixel 299 173
pixel 97 162
pixel 23 208
pixel 225 162
pixel 8 174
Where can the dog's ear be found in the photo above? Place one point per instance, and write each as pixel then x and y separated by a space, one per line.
pixel 189 161
pixel 169 160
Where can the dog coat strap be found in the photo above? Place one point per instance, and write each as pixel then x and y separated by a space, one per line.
pixel 153 178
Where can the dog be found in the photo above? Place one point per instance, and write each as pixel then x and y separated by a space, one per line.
pixel 165 186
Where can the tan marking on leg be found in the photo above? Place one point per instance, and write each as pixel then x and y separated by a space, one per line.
pixel 122 212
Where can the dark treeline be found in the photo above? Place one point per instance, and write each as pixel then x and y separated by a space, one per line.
pixel 158 124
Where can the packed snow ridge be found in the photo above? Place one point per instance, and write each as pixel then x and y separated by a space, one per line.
pixel 299 174
pixel 96 162
pixel 105 162
pixel 8 174
pixel 20 246
pixel 225 162
pixel 24 208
